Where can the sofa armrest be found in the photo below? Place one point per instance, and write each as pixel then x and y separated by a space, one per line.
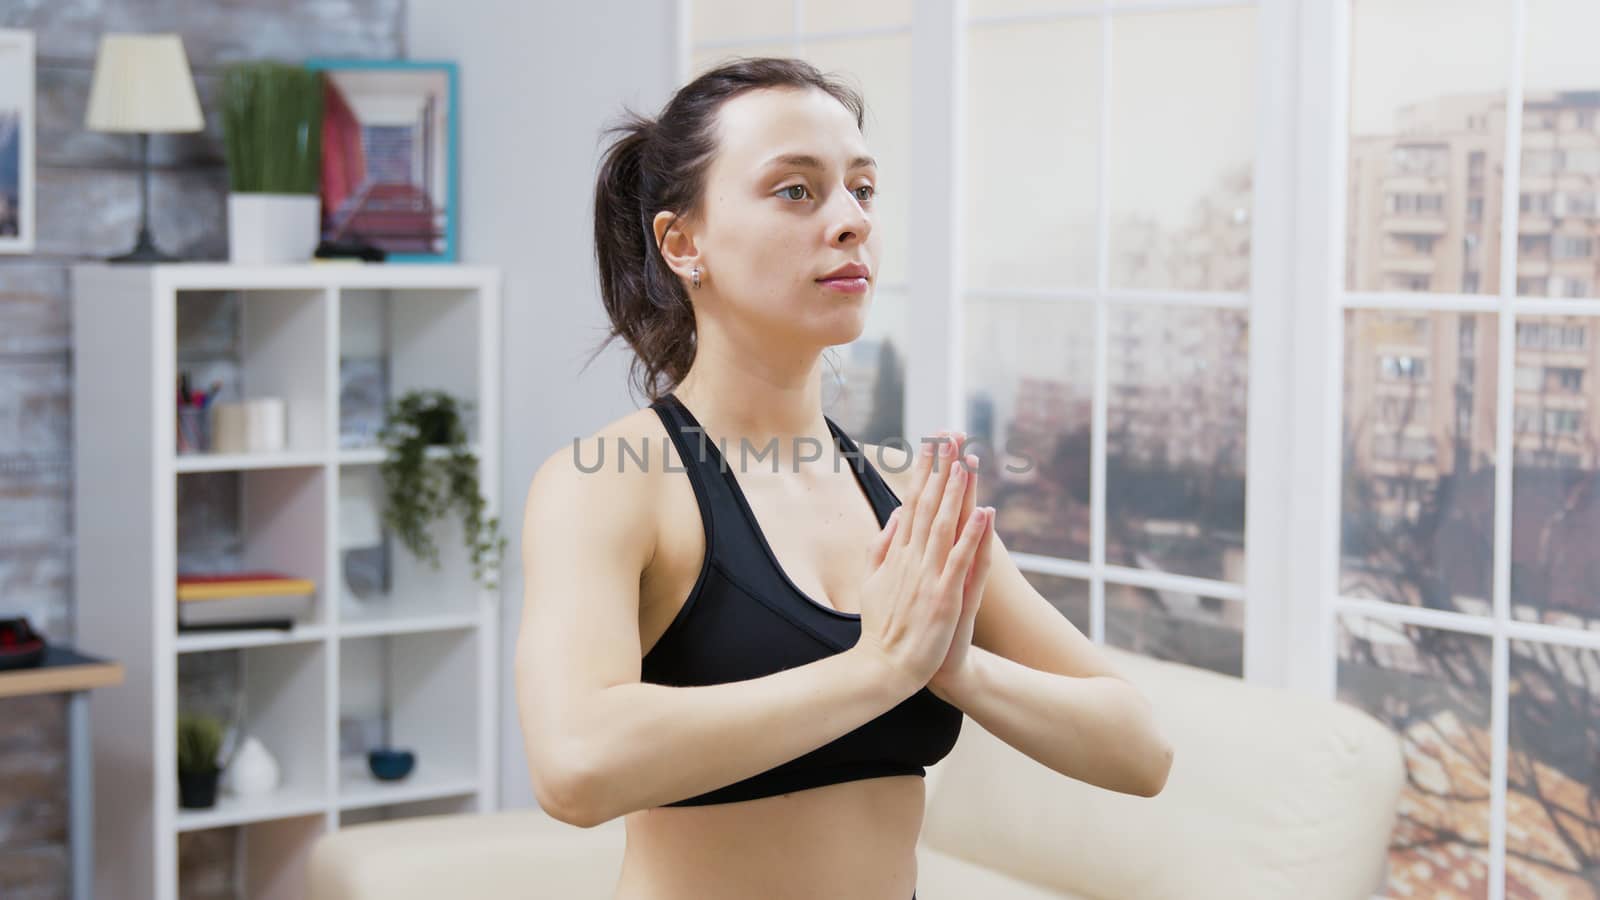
pixel 1272 794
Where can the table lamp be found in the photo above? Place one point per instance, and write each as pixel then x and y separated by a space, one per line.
pixel 142 84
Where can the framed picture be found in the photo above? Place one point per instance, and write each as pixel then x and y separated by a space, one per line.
pixel 389 156
pixel 16 141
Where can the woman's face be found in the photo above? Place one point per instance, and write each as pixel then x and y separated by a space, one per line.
pixel 773 225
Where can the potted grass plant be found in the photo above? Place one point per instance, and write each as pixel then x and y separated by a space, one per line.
pixel 199 744
pixel 272 136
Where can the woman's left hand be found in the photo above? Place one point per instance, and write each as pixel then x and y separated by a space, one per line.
pixel 955 668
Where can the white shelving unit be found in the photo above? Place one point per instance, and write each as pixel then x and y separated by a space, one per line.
pixel 428 645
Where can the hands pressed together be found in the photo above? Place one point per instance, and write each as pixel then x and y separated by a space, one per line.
pixel 927 568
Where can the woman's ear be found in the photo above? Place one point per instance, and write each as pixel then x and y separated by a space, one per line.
pixel 677 242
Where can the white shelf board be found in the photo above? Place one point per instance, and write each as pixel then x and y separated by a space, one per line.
pixel 359 789
pixel 316 276
pixel 229 462
pixel 198 641
pixel 403 619
pixel 371 456
pixel 231 810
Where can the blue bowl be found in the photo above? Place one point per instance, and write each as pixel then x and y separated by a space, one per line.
pixel 390 765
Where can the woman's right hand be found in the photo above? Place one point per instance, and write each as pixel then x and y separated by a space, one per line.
pixel 912 596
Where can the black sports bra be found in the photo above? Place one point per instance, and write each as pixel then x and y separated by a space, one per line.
pixel 744 618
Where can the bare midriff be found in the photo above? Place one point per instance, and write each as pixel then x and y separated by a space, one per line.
pixel 855 840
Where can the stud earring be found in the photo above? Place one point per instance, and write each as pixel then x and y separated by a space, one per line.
pixel 696 276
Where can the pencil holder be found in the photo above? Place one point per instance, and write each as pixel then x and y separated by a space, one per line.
pixel 194 429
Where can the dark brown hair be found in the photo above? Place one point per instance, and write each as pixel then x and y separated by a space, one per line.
pixel 661 164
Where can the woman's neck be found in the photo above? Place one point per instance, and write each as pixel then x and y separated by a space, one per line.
pixel 746 406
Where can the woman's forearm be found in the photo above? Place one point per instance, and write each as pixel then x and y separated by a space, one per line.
pixel 1099 730
pixel 642 745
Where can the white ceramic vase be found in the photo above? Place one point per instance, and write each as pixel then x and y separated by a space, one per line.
pixel 273 228
pixel 253 770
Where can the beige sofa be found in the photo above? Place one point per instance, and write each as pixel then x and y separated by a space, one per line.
pixel 1272 795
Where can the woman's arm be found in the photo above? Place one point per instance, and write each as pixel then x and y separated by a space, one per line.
pixel 1035 681
pixel 602 744
pixel 1096 728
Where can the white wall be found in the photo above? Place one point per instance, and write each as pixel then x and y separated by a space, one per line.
pixel 538 82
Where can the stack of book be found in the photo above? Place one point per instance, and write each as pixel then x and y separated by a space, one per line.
pixel 228 600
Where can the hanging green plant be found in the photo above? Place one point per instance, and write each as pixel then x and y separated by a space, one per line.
pixel 419 489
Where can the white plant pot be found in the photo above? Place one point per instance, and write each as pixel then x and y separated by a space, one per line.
pixel 253 770
pixel 273 228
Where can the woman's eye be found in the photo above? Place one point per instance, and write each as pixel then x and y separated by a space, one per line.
pixel 801 187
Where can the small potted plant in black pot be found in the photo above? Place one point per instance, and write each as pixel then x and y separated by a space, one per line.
pixel 199 742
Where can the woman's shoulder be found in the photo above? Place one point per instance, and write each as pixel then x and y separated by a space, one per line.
pixel 614 468
pixel 614 461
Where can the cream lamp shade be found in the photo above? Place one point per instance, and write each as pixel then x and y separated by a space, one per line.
pixel 142 83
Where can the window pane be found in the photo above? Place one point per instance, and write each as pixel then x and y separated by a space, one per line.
pixel 1175 439
pixel 880 70
pixel 1427 145
pixel 867 395
pixel 1068 595
pixel 702 60
pixel 1432 688
pixel 1182 149
pixel 1198 631
pixel 1555 513
pixel 849 15
pixel 725 20
pixel 1552 783
pixel 1029 411
pixel 1027 7
pixel 1032 145
pixel 1558 219
pixel 1418 458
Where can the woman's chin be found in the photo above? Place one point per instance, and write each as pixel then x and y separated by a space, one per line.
pixel 845 332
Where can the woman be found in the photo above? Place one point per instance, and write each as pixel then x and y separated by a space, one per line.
pixel 749 663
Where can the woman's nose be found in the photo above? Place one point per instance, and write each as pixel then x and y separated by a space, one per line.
pixel 853 222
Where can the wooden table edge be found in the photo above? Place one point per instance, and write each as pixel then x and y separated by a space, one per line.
pixel 59 679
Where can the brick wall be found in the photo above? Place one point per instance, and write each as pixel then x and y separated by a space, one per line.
pixel 87 208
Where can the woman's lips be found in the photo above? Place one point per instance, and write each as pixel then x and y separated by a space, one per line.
pixel 845 285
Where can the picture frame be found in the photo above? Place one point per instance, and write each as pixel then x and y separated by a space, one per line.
pixel 389 170
pixel 17 130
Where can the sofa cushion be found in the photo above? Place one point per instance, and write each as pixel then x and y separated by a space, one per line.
pixel 941 876
pixel 522 853
pixel 1272 794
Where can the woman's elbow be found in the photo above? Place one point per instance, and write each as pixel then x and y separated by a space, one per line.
pixel 566 795
pixel 1155 776
pixel 565 784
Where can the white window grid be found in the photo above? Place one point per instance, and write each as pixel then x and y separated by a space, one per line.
pixel 1330 83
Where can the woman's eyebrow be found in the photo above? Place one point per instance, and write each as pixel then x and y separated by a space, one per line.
pixel 807 161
